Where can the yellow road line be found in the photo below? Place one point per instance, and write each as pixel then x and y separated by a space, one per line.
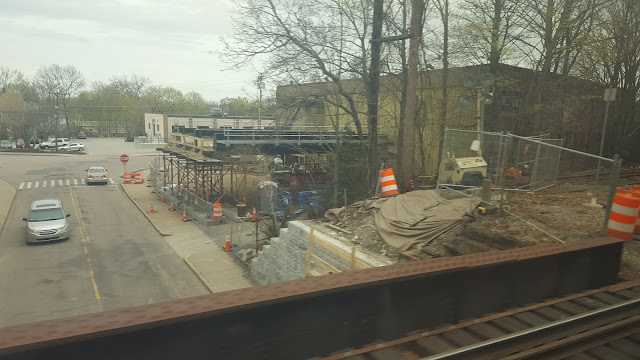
pixel 95 285
pixel 85 240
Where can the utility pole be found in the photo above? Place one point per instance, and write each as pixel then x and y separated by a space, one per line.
pixel 374 87
pixel 411 105
pixel 260 87
pixel 609 96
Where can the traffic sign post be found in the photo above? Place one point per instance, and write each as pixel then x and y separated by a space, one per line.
pixel 124 159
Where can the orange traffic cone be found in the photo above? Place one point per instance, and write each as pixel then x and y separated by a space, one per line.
pixel 172 208
pixel 255 218
pixel 184 215
pixel 227 244
pixel 151 211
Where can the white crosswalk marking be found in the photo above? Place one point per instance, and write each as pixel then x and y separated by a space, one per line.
pixel 60 182
pixel 82 181
pixel 21 186
pixel 37 183
pixel 29 185
pixel 111 180
pixel 75 181
pixel 44 183
pixel 53 183
pixel 68 182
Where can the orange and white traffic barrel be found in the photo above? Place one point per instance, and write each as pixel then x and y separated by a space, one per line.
pixel 388 183
pixel 217 211
pixel 139 178
pixel 636 192
pixel 127 178
pixel 624 215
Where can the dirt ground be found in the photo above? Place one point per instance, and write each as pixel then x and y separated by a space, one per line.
pixel 558 213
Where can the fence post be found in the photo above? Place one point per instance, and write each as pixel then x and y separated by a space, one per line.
pixel 442 156
pixel 535 168
pixel 613 184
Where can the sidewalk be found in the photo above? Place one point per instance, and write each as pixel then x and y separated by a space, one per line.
pixel 218 270
pixel 7 193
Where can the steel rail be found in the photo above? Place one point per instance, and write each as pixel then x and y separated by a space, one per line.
pixel 537 329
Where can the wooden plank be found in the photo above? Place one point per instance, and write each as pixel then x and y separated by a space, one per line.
pixel 359 264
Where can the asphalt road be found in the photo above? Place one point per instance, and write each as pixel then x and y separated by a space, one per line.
pixel 113 259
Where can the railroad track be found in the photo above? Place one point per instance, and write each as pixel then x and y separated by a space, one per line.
pixel 603 175
pixel 596 324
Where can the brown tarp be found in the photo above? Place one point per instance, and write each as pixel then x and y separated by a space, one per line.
pixel 412 219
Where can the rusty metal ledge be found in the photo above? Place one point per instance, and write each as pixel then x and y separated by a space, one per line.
pixel 504 278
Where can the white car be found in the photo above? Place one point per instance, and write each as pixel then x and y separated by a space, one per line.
pixel 51 143
pixel 72 147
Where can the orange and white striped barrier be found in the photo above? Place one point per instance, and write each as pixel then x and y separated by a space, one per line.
pixel 139 178
pixel 127 178
pixel 217 211
pixel 227 244
pixel 184 215
pixel 624 215
pixel 388 183
pixel 636 192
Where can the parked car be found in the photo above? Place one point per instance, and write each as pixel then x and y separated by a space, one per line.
pixel 82 135
pixel 97 175
pixel 47 221
pixel 5 144
pixel 51 143
pixel 20 144
pixel 73 147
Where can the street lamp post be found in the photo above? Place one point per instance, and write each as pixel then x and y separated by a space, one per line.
pixel 260 85
pixel 483 97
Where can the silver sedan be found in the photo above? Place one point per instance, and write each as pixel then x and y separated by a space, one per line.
pixel 97 175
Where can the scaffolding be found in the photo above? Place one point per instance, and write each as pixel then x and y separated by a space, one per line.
pixel 210 180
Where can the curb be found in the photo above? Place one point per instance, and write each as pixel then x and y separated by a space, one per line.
pixel 3 216
pixel 143 212
pixel 206 283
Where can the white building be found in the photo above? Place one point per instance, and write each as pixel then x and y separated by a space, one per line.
pixel 161 125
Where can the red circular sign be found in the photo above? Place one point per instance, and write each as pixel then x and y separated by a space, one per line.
pixel 124 158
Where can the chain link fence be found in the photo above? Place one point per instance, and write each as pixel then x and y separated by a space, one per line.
pixel 513 162
pixel 517 164
pixel 244 234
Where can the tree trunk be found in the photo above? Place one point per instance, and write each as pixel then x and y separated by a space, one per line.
pixel 442 120
pixel 406 172
pixel 403 90
pixel 374 88
pixel 494 55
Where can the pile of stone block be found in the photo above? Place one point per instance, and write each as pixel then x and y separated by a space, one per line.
pixel 285 258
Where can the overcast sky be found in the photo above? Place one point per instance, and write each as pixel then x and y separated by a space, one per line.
pixel 166 40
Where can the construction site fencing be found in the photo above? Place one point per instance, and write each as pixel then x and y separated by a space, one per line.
pixel 519 164
pixel 244 234
pixel 514 162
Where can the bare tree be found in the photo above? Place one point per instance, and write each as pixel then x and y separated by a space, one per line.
pixel 57 85
pixel 613 58
pixel 297 42
pixel 485 30
pixel 9 78
pixel 134 85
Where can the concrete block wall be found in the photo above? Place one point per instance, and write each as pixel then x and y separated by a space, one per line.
pixel 286 257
